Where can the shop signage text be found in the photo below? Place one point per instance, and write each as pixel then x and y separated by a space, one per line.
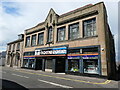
pixel 53 51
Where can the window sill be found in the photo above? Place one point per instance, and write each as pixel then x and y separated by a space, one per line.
pixel 76 39
pixel 90 36
pixel 49 42
pixel 27 46
pixel 40 45
pixel 60 41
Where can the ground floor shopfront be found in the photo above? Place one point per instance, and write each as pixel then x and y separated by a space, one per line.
pixel 75 60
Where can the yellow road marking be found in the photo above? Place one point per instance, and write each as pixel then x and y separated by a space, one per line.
pixel 106 82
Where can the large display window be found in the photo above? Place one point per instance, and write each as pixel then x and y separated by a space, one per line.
pixel 73 65
pixel 31 63
pixel 25 63
pixel 90 66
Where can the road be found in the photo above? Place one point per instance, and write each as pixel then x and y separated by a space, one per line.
pixel 25 78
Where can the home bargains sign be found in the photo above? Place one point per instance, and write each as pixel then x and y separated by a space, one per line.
pixel 53 51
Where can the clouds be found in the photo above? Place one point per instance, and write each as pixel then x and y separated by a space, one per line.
pixel 10 8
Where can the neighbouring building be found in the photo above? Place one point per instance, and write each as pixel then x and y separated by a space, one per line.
pixel 2 58
pixel 78 42
pixel 14 54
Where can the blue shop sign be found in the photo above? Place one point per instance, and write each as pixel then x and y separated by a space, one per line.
pixel 51 51
pixel 29 57
pixel 90 57
pixel 84 57
pixel 73 57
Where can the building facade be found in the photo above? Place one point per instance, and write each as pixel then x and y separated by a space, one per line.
pixel 78 42
pixel 14 54
pixel 2 58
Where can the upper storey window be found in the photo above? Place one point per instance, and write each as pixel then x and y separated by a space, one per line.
pixel 18 46
pixel 74 31
pixel 50 18
pixel 61 34
pixel 33 40
pixel 13 47
pixel 90 27
pixel 40 38
pixel 27 41
pixel 9 47
pixel 50 34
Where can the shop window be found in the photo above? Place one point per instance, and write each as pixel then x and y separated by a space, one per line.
pixel 90 50
pixel 33 40
pixel 73 65
pixel 29 53
pixel 27 41
pixel 74 31
pixel 31 63
pixel 40 38
pixel 25 63
pixel 74 51
pixel 50 34
pixel 61 34
pixel 89 27
pixel 91 66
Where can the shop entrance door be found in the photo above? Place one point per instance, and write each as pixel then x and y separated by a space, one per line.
pixel 60 65
pixel 91 66
pixel 48 65
pixel 38 64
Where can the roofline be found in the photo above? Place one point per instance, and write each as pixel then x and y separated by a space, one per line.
pixel 15 41
pixel 81 8
pixel 35 26
pixel 68 13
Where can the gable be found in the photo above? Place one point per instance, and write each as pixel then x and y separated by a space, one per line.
pixel 51 18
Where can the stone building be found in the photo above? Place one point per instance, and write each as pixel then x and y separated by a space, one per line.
pixel 14 54
pixel 77 42
pixel 2 58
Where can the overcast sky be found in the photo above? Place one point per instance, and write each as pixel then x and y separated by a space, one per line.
pixel 19 15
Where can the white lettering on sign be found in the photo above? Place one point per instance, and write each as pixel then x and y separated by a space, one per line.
pixel 49 52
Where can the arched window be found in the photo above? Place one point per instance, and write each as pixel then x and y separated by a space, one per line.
pixel 50 34
pixel 50 18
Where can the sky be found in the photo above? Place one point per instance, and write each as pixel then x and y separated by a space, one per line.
pixel 19 15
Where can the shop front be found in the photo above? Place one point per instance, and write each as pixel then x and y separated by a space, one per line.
pixel 53 58
pixel 83 61
pixel 32 63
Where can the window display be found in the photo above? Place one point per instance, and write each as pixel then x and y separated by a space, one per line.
pixel 25 63
pixel 73 65
pixel 91 66
pixel 31 63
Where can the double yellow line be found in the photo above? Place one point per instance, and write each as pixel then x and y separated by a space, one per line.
pixel 105 82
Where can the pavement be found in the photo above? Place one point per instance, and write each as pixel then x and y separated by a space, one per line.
pixel 26 79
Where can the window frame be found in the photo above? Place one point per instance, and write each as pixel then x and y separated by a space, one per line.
pixel 27 41
pixel 38 38
pixel 58 29
pixel 32 44
pixel 48 38
pixel 18 46
pixel 69 33
pixel 94 29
